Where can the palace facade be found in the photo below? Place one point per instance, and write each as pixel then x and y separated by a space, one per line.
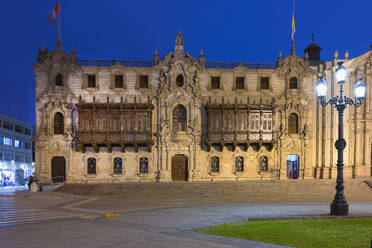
pixel 180 118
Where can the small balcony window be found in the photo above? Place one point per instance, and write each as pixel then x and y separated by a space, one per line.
pixel 144 81
pixel 264 83
pixel 59 80
pixel 119 81
pixel 293 83
pixel 215 83
pixel 91 81
pixel 239 83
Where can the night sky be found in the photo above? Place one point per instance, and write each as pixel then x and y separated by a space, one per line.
pixel 229 31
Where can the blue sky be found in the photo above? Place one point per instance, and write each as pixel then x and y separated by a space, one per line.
pixel 235 30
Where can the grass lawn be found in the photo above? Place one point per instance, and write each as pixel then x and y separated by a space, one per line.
pixel 301 233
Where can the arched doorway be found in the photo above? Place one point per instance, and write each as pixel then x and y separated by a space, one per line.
pixel 179 168
pixel 293 166
pixel 58 169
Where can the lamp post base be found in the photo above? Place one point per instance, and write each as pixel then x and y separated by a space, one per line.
pixel 339 207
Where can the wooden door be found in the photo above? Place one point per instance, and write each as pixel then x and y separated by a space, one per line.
pixel 290 169
pixel 179 168
pixel 58 169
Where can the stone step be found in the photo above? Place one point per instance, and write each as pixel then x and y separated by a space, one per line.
pixel 218 189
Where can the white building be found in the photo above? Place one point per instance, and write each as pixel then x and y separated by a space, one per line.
pixel 15 151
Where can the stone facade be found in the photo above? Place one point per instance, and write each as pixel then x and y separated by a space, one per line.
pixel 278 129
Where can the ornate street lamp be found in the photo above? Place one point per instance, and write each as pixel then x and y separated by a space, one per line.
pixel 339 205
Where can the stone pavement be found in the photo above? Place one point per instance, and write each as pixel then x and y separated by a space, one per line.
pixel 155 223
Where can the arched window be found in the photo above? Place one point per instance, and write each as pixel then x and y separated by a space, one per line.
pixel 293 123
pixel 179 118
pixel 59 80
pixel 144 165
pixel 118 166
pixel 215 164
pixel 58 123
pixel 293 83
pixel 263 164
pixel 179 80
pixel 239 164
pixel 91 166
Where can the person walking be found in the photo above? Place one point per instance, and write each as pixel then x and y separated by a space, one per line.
pixel 30 181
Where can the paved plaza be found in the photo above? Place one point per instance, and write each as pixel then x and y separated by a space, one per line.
pixel 54 219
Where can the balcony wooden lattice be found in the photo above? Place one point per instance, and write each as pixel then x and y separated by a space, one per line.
pixel 249 124
pixel 114 124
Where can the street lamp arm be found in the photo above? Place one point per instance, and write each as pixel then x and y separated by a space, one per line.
pixel 348 100
pixel 332 100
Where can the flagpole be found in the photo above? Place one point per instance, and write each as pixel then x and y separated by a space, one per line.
pixel 293 27
pixel 59 19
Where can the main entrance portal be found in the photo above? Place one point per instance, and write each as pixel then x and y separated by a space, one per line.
pixel 293 165
pixel 58 169
pixel 179 168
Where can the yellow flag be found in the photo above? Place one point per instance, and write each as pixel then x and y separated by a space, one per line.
pixel 293 23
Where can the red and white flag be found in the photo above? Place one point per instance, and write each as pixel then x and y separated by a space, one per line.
pixel 53 16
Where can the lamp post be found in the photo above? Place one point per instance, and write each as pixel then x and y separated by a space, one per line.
pixel 339 206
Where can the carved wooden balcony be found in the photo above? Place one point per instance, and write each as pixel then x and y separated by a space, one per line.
pixel 239 124
pixel 113 124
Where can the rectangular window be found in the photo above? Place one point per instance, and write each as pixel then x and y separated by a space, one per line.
pixel 144 81
pixel 91 81
pixel 19 158
pixel 1 156
pixel 28 159
pixel 264 83
pixel 17 143
pixel 27 131
pixel 27 145
pixel 7 157
pixel 239 83
pixel 18 129
pixel 1 123
pixel 8 125
pixel 215 83
pixel 119 81
pixel 7 141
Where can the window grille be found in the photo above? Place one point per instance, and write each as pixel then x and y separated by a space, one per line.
pixel 239 164
pixel 118 166
pixel 91 166
pixel 215 164
pixel 144 165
